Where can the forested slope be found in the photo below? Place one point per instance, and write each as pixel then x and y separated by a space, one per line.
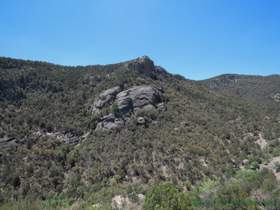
pixel 54 154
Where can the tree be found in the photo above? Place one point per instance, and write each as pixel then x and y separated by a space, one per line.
pixel 166 196
pixel 232 191
pixel 277 164
pixel 49 127
pixel 115 107
pixel 16 180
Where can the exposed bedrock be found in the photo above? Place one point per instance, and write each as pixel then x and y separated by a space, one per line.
pixel 136 98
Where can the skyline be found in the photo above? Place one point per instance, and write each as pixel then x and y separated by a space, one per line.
pixel 197 40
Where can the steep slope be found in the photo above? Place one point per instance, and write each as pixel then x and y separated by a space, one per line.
pixel 130 126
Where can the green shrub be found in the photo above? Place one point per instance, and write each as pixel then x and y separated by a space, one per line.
pixel 166 196
pixel 15 180
pixel 255 165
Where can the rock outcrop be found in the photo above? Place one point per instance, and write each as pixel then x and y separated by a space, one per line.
pixel 109 122
pixel 4 143
pixel 104 98
pixel 68 137
pixel 143 65
pixel 141 121
pixel 146 66
pixel 91 80
pixel 177 130
pixel 136 98
pixel 184 123
pixel 244 162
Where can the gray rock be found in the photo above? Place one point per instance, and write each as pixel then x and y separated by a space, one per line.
pixel 128 101
pixel 104 98
pixel 141 121
pixel 4 143
pixel 91 80
pixel 177 129
pixel 177 76
pixel 138 97
pixel 161 106
pixel 124 101
pixel 85 135
pixel 184 123
pixel 161 71
pixel 244 162
pixel 252 168
pixel 146 66
pixel 67 137
pixel 109 122
pixel 143 65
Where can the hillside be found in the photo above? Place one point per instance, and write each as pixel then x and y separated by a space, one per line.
pixel 262 91
pixel 88 135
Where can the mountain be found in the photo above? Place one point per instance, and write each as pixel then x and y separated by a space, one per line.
pixel 110 136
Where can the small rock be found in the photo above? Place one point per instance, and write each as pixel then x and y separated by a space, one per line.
pixel 184 123
pixel 141 121
pixel 252 168
pixel 177 129
pixel 244 162
pixel 161 106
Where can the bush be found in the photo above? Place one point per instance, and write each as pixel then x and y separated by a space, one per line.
pixel 133 198
pixel 277 164
pixel 16 180
pixel 166 196
pixel 255 165
pixel 49 127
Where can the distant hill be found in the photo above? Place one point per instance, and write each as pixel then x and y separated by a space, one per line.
pixel 258 90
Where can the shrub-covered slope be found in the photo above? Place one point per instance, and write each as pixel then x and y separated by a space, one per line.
pixel 197 133
pixel 261 91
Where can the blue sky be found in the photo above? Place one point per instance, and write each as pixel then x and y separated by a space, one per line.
pixel 198 39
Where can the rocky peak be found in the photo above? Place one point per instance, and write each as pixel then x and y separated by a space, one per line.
pixel 143 65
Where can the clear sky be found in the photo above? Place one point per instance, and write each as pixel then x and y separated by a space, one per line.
pixel 198 39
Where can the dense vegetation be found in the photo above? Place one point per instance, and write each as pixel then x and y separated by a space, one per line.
pixel 201 160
